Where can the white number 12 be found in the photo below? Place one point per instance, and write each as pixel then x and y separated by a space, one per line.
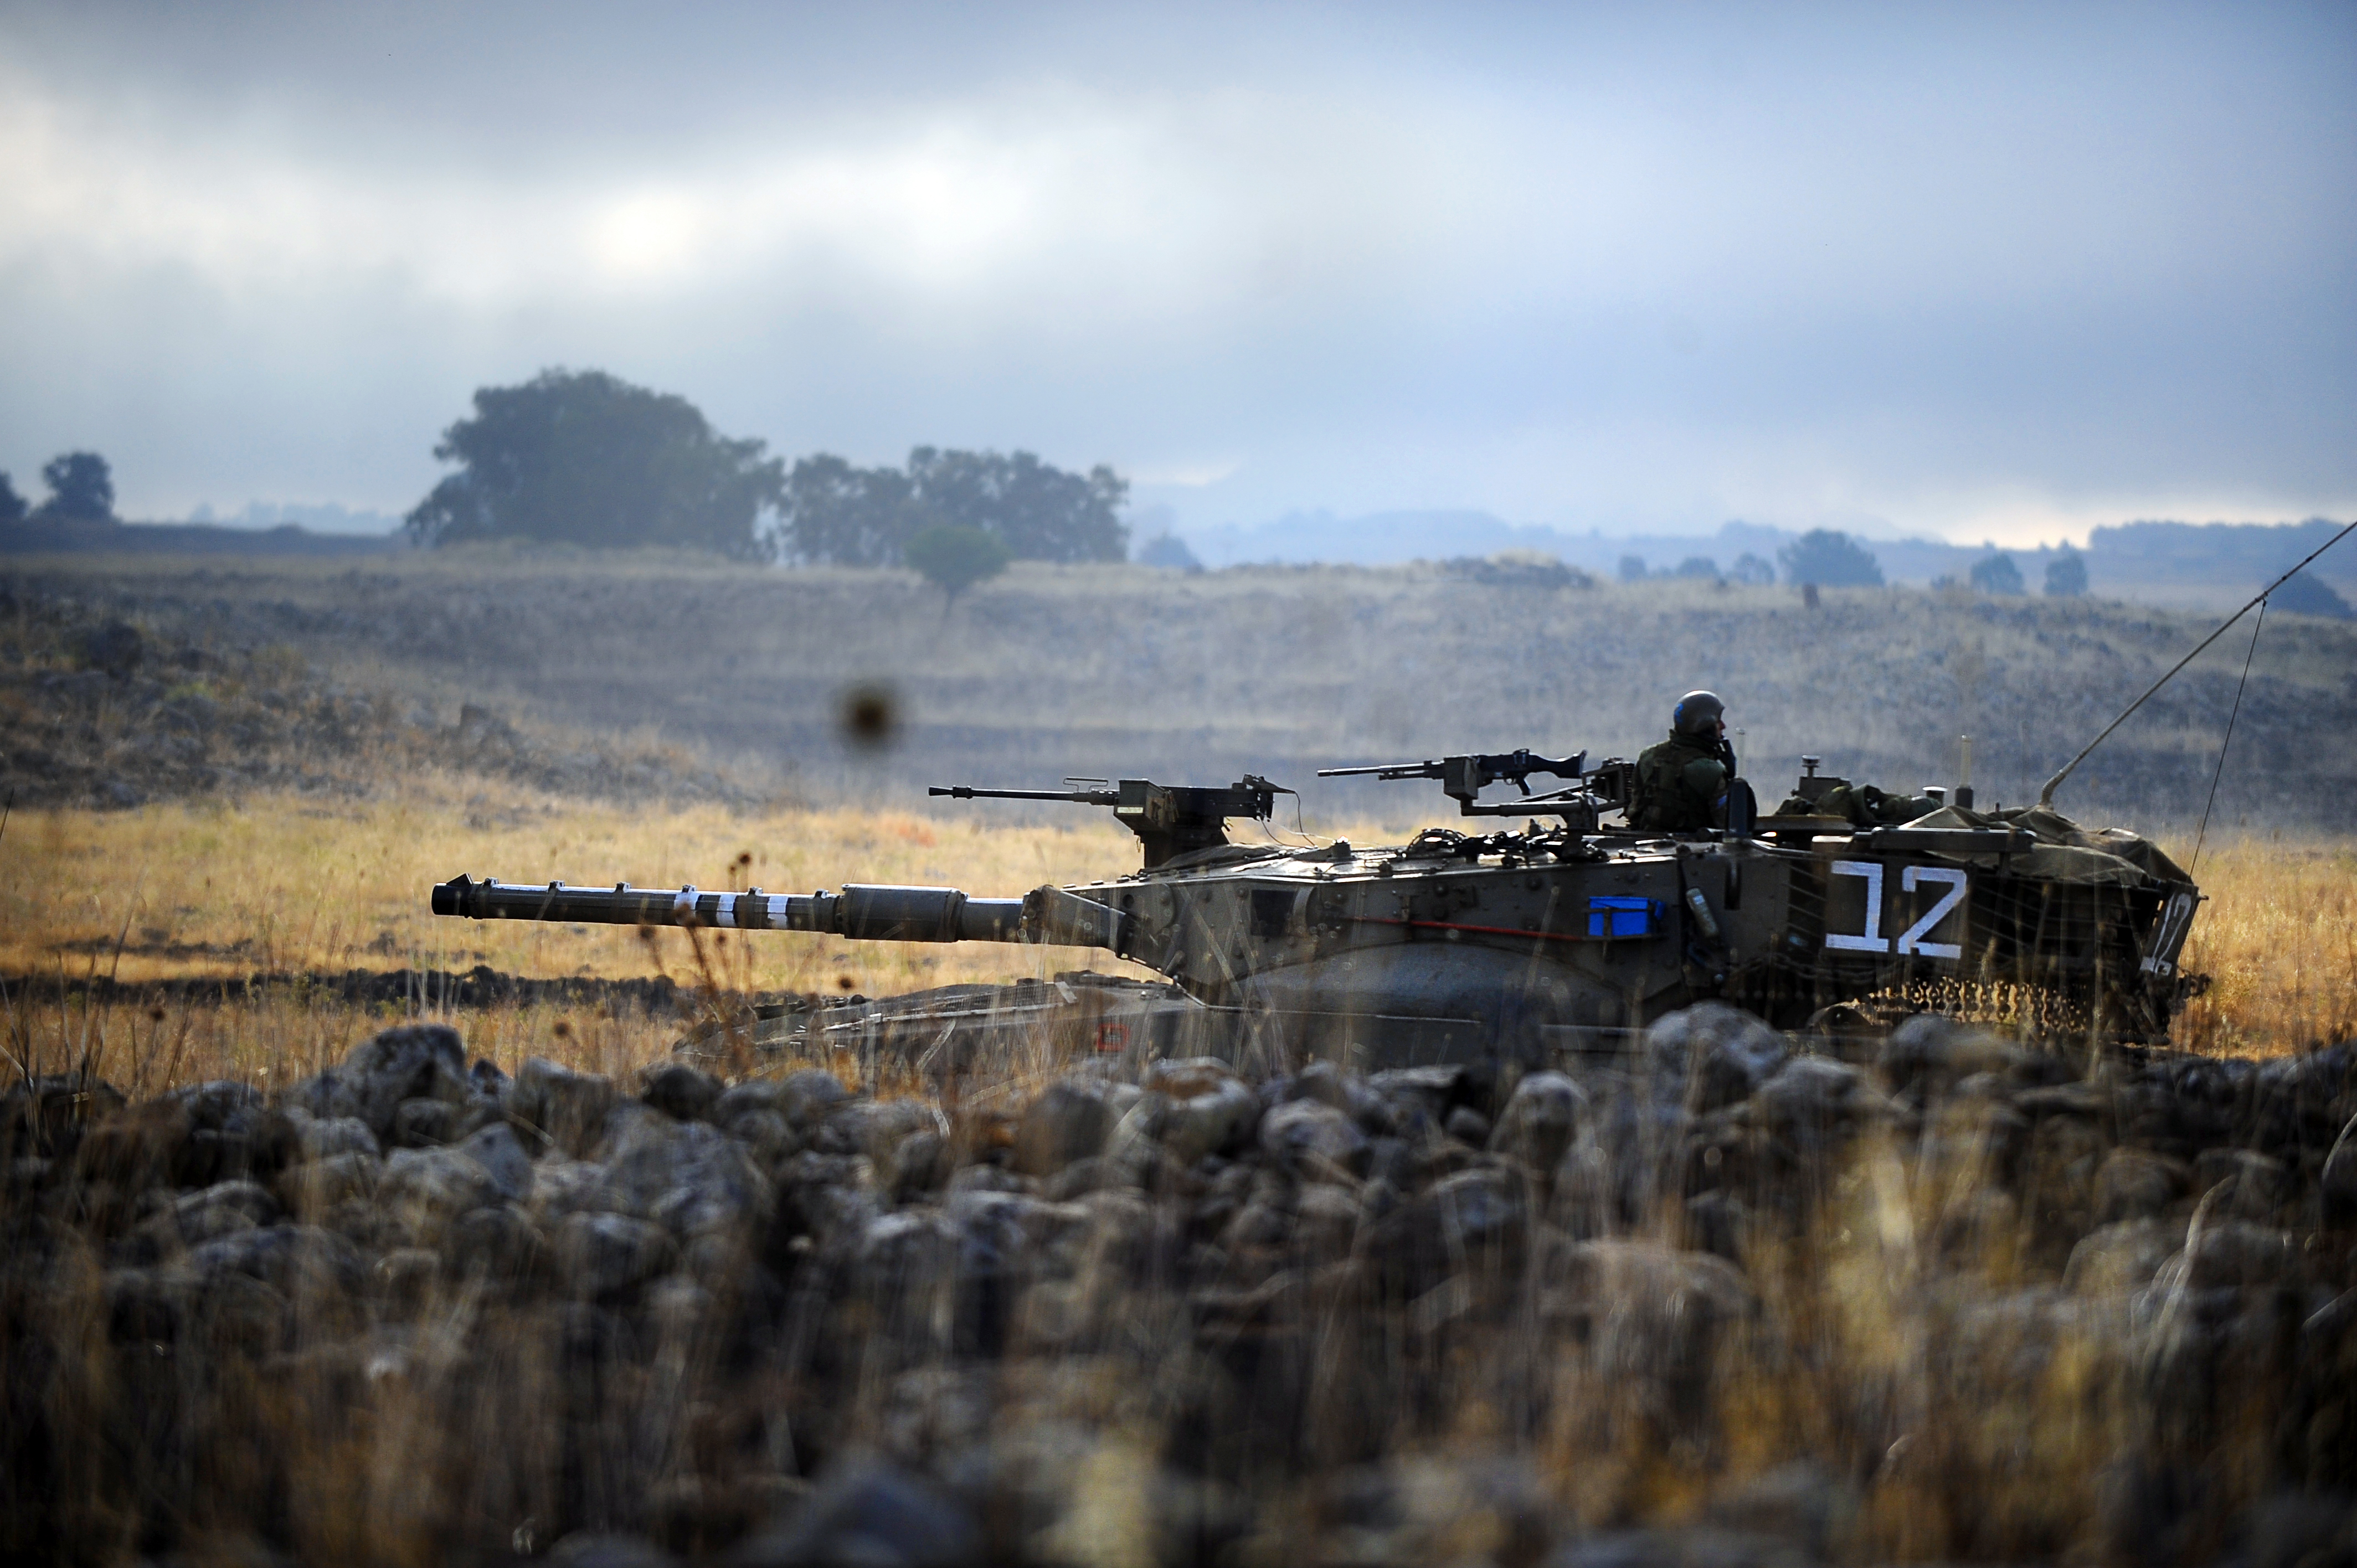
pixel 1911 940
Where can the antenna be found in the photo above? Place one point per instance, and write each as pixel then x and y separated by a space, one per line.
pixel 2046 795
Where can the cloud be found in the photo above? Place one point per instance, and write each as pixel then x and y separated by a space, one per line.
pixel 1942 266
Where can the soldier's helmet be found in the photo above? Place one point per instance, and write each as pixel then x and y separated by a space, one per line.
pixel 1697 714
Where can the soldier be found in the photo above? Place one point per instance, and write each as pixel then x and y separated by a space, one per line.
pixel 1682 782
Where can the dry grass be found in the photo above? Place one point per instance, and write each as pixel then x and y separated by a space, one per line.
pixel 286 886
pixel 2278 939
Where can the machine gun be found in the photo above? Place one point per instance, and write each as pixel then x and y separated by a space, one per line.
pixel 1169 820
pixel 1462 779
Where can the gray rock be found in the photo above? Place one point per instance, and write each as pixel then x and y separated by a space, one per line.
pixel 1420 1095
pixel 599 1255
pixel 300 1262
pixel 426 1123
pixel 1711 1054
pixel 318 1187
pixel 1483 1214
pixel 319 1138
pixel 1808 1095
pixel 567 1108
pixel 593 1549
pixel 1331 1085
pixel 2121 1258
pixel 2132 1183
pixel 1193 1107
pixel 1468 1127
pixel 422 1191
pixel 2243 1184
pixel 2337 1183
pixel 217 1211
pixel 872 1514
pixel 1308 1134
pixel 767 1135
pixel 414 1061
pixel 1540 1121
pixel 2232 1256
pixel 807 1098
pixel 497 1243
pixel 496 1149
pixel 1070 1121
pixel 687 1176
pixel 1929 1053
pixel 681 1091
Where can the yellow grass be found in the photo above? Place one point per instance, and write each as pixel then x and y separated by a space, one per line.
pixel 288 886
pixel 2278 939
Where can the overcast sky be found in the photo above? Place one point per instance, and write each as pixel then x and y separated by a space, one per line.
pixel 1981 271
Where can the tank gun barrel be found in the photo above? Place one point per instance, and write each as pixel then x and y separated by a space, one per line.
pixel 869 912
pixel 1078 797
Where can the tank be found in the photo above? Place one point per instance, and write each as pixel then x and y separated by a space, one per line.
pixel 1542 931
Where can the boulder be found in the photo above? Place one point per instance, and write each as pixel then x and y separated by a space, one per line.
pixel 413 1061
pixel 1928 1053
pixel 2121 1258
pixel 1070 1121
pixel 870 1513
pixel 1193 1107
pixel 601 1255
pixel 422 1191
pixel 497 1150
pixel 689 1177
pixel 1315 1139
pixel 682 1092
pixel 566 1107
pixel 1711 1054
pixel 426 1123
pixel 319 1138
pixel 1539 1121
pixel 2135 1184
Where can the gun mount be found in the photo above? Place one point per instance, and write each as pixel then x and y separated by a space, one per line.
pixel 1169 820
pixel 1582 803
pixel 1543 945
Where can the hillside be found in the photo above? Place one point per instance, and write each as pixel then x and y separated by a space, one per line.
pixel 654 674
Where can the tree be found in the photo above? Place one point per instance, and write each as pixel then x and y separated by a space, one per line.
pixel 12 505
pixel 848 517
pixel 1998 574
pixel 2066 575
pixel 1632 569
pixel 1701 567
pixel 1042 513
pixel 1826 557
pixel 1751 571
pixel 585 458
pixel 835 512
pixel 81 489
pixel 954 556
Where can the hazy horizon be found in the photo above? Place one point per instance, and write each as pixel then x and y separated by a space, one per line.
pixel 1981 273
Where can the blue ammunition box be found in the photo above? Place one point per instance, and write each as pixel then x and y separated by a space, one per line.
pixel 1614 916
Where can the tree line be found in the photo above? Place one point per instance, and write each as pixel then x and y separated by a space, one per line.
pixel 583 458
pixel 81 486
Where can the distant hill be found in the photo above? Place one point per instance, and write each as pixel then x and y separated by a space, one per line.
pixel 2175 562
pixel 36 536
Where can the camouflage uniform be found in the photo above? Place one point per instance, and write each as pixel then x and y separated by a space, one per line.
pixel 1680 783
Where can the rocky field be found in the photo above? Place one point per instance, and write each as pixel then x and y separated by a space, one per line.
pixel 1730 1299
pixel 643 676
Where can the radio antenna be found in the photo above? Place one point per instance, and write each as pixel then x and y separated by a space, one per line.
pixel 2046 795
